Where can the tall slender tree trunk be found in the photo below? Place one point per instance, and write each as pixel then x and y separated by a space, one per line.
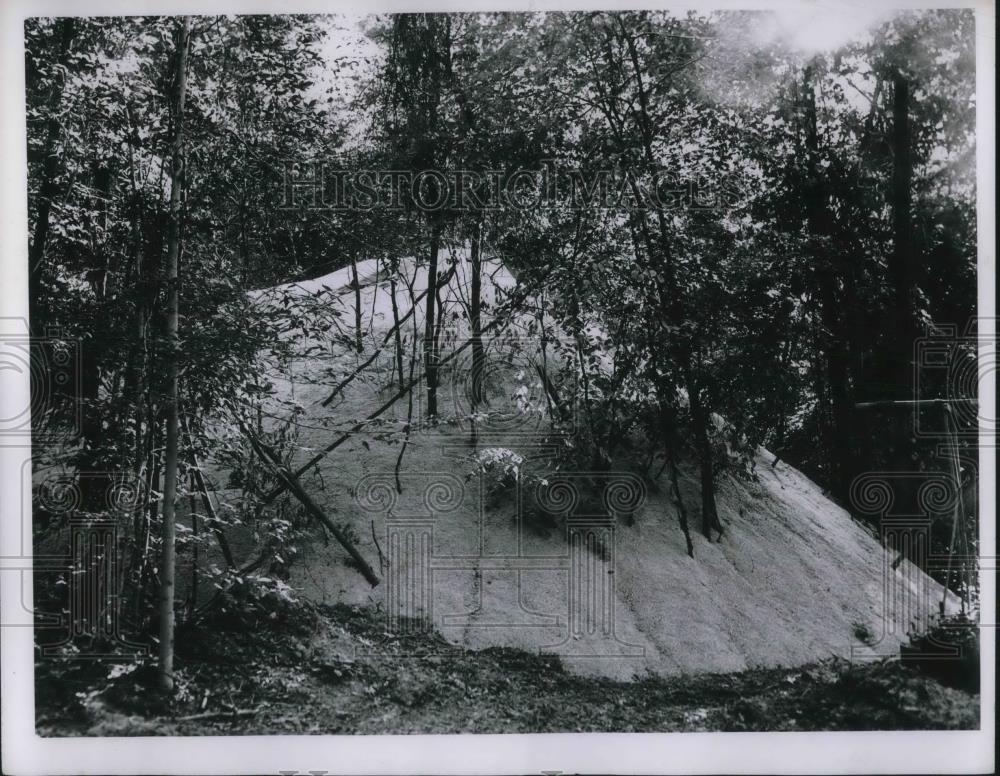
pixel 430 326
pixel 422 50
pixel 700 421
pixel 475 313
pixel 407 429
pixel 397 334
pixel 195 542
pixel 356 285
pixel 168 563
pixel 93 464
pixel 476 303
pixel 902 319
pixel 833 342
pixel 442 310
pixel 136 369
pixel 244 247
pixel 667 423
pixel 93 437
pixel 152 511
pixel 901 260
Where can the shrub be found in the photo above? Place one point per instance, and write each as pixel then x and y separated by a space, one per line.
pixel 500 469
pixel 934 653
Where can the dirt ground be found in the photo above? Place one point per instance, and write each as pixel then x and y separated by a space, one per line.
pixel 338 671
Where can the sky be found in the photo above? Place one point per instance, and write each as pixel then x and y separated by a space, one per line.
pixel 819 26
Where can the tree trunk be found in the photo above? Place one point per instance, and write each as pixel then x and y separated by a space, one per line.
pixel 193 593
pixel 408 428
pixel 833 343
pixel 901 274
pixel 700 420
pixel 168 563
pixel 430 327
pixel 356 285
pixel 476 324
pixel 152 511
pixel 397 334
pixel 92 482
pixel 901 260
pixel 667 421
pixel 681 511
pixel 478 353
pixel 93 465
pixel 136 370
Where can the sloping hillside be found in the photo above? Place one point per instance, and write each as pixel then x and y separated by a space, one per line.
pixel 609 590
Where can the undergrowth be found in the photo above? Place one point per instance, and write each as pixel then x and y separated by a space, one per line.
pixel 337 670
pixel 949 652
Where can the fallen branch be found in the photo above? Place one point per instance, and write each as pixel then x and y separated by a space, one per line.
pixel 278 490
pixel 497 321
pixel 213 520
pixel 383 561
pixel 292 484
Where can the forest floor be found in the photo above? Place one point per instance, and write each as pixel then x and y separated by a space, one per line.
pixel 329 670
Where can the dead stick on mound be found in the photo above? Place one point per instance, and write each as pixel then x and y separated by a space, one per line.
pixel 382 560
pixel 268 498
pixel 385 341
pixel 292 484
pixel 206 500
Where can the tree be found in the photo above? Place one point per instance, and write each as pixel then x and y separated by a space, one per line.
pixel 63 32
pixel 168 563
pixel 417 71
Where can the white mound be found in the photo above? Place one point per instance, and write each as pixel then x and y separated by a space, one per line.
pixel 794 578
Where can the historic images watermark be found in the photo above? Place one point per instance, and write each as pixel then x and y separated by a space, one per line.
pixel 52 410
pixel 950 366
pixel 424 557
pixel 82 569
pixel 329 185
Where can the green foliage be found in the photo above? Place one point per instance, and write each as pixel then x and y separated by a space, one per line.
pixel 248 600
